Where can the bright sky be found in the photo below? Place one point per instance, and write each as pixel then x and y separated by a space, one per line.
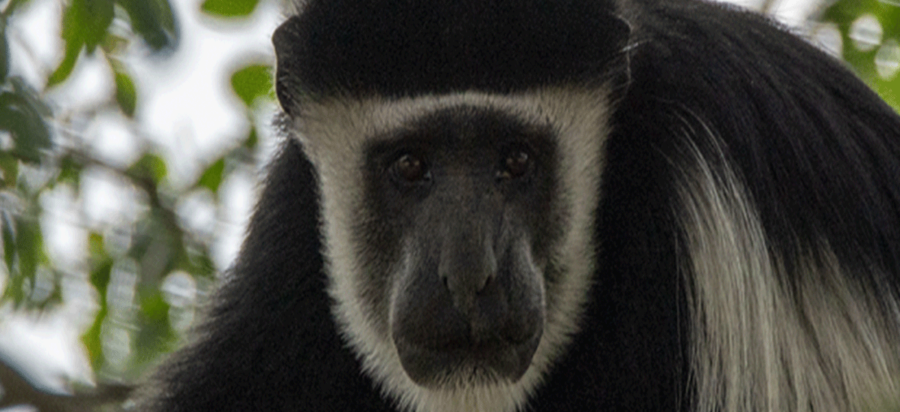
pixel 186 109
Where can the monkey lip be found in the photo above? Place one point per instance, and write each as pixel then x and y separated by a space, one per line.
pixel 462 362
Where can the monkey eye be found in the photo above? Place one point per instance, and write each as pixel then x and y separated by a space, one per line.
pixel 516 163
pixel 409 168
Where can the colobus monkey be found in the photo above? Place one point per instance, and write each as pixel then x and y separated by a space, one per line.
pixel 559 205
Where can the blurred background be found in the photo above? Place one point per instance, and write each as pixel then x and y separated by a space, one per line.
pixel 132 137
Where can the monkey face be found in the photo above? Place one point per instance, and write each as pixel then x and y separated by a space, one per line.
pixel 449 234
pixel 466 195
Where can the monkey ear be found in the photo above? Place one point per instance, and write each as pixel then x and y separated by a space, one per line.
pixel 288 85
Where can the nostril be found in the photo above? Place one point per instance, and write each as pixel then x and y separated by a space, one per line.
pixel 487 281
pixel 468 282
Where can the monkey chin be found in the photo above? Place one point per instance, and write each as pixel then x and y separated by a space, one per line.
pixel 443 367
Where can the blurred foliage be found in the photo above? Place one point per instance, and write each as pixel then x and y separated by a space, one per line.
pixel 39 151
pixel 253 82
pixel 229 8
pixel 158 243
pixel 883 48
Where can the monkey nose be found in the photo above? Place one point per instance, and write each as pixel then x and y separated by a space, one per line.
pixel 465 280
pixel 466 272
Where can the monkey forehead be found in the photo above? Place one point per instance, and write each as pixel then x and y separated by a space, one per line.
pixel 398 48
pixel 338 129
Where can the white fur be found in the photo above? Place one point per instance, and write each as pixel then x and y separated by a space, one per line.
pixel 757 346
pixel 333 133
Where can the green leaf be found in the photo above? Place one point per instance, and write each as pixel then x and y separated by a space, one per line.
pixel 24 248
pixel 890 91
pixel 29 246
pixel 62 72
pixel 252 82
pixel 84 24
pixel 101 273
pixel 9 165
pixel 202 264
pixel 96 250
pixel 154 333
pixel 126 93
pixel 9 241
pixel 87 21
pixel 22 114
pixel 149 166
pixel 100 277
pixel 252 139
pixel 153 20
pixel 212 177
pixel 4 51
pixel 229 8
pixel 93 337
pixel 70 171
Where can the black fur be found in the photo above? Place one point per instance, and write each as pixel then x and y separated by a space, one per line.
pixel 397 48
pixel 269 343
pixel 817 150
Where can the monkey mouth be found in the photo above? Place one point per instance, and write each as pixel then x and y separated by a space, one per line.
pixel 453 328
pixel 454 363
